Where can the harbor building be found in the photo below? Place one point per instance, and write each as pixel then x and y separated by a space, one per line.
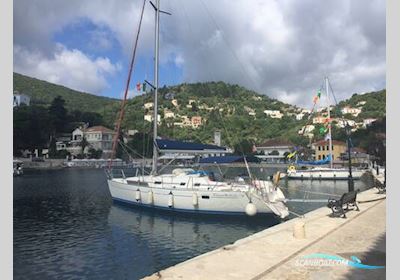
pixel 188 151
pixel 321 149
pixel 274 150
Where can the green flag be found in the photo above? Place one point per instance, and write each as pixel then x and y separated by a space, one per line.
pixel 323 130
pixel 144 87
pixel 319 93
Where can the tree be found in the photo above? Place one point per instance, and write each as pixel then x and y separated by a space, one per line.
pixel 93 153
pixel 52 148
pixel 142 144
pixel 244 147
pixel 83 144
pixel 31 130
pixel 58 115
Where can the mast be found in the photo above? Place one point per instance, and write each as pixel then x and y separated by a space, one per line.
pixel 157 34
pixel 329 122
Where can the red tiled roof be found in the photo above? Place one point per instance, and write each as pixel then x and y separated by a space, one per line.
pixel 326 142
pixel 99 128
pixel 275 142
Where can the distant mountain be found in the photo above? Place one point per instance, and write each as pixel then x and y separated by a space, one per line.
pixel 237 112
pixel 43 93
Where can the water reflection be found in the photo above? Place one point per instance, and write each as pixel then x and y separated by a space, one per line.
pixel 66 227
pixel 169 238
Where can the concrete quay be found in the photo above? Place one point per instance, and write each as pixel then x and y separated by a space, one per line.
pixel 274 253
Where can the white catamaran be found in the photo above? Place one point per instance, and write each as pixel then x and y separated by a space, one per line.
pixel 195 191
pixel 324 173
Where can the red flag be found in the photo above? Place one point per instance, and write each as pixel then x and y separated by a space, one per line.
pixel 138 86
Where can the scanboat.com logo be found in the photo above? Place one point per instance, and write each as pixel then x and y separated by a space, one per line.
pixel 332 260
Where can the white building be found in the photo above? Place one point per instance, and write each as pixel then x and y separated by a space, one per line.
pixel 319 120
pixel 274 150
pixel 361 103
pixel 19 99
pixel 275 114
pixel 342 123
pixel 150 118
pixel 306 111
pixel 306 130
pixel 368 122
pixel 168 114
pixel 250 111
pixel 148 105
pixel 98 137
pixel 299 116
pixel 353 111
pixel 175 102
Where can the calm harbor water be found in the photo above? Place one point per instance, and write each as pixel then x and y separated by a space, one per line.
pixel 67 227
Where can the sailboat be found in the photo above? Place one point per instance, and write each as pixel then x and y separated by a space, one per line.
pixel 187 190
pixel 323 173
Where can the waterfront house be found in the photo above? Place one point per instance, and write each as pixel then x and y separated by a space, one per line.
pixel 97 137
pixel 100 138
pixel 274 150
pixel 321 149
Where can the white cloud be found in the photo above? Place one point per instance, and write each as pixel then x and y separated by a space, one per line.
pixel 70 68
pixel 282 48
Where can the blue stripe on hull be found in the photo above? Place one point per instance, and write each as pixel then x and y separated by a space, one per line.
pixel 183 210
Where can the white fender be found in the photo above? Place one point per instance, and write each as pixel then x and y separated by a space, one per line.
pixel 170 200
pixel 150 197
pixel 195 200
pixel 137 195
pixel 251 209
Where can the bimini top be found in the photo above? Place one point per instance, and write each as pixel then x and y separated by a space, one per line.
pixel 228 159
pixel 173 145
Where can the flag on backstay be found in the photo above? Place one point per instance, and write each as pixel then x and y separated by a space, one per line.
pixel 141 87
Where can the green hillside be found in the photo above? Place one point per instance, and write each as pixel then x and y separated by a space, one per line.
pixel 236 111
pixel 374 107
pixel 43 93
pixel 221 106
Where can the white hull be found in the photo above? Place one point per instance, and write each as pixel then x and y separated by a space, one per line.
pixel 194 199
pixel 324 174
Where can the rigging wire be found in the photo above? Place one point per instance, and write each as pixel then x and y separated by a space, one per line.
pixel 242 68
pixel 122 110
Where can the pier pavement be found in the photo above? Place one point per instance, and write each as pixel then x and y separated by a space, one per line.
pixel 274 253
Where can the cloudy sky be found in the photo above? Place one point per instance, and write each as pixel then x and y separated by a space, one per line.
pixel 282 48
